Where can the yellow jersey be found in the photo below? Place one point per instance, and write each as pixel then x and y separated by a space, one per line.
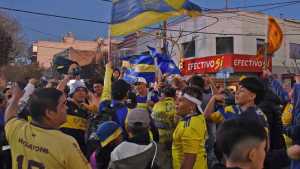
pixel 33 147
pixel 287 118
pixel 189 137
pixel 287 115
pixel 163 114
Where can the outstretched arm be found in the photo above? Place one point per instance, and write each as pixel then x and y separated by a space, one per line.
pixel 12 108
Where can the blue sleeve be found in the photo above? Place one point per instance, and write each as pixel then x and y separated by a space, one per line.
pixel 296 103
pixel 279 91
pixel 155 98
pixel 122 114
pixel 292 130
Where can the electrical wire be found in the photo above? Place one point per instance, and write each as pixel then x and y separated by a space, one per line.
pixel 256 19
pixel 217 20
pixel 105 0
pixel 53 15
pixel 105 22
pixel 41 32
pixel 254 6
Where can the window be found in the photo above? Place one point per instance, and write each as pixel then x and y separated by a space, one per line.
pixel 260 47
pixel 224 45
pixel 189 49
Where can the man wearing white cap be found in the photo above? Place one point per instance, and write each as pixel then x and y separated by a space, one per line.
pixel 144 98
pixel 77 114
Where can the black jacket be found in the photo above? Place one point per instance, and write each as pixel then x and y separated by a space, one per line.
pixel 276 158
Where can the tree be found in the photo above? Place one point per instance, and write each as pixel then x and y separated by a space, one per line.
pixel 20 72
pixel 11 41
pixel 6 46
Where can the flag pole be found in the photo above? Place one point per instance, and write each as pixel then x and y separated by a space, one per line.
pixel 266 61
pixel 109 55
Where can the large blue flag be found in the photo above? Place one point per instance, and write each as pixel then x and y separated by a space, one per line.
pixel 142 66
pixel 129 16
pixel 164 62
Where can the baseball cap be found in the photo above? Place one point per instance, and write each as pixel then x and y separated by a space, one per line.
pixel 255 86
pixel 76 84
pixel 140 80
pixel 138 118
pixel 107 132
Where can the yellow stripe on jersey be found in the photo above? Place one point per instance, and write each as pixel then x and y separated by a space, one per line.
pixel 287 115
pixel 288 141
pixel 142 106
pixel 75 122
pixel 112 137
pixel 229 109
pixel 216 117
pixel 144 68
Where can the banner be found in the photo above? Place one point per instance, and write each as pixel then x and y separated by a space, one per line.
pixel 213 64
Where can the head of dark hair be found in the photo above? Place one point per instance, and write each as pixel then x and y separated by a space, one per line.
pixel 120 89
pixel 255 86
pixel 169 91
pixel 196 81
pixel 193 91
pixel 117 70
pixel 236 131
pixel 42 100
pixel 98 81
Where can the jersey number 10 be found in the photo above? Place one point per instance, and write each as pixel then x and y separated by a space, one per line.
pixel 31 163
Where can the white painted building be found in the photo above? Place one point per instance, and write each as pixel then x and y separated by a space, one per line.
pixel 233 32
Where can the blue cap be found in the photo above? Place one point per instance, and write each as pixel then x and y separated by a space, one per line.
pixel 108 132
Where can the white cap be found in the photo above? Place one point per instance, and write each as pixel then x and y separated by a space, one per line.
pixel 141 80
pixel 75 84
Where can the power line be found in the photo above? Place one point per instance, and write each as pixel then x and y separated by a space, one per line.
pixel 41 32
pixel 52 15
pixel 106 0
pixel 256 19
pixel 217 20
pixel 80 19
pixel 257 5
pixel 105 22
pixel 280 6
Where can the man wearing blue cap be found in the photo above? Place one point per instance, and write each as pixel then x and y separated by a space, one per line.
pixel 109 135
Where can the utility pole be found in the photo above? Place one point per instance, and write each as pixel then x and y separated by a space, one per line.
pixel 226 4
pixel 164 34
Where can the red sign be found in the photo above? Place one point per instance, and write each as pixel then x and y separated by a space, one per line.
pixel 213 64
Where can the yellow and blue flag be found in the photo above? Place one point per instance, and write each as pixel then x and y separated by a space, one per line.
pixel 142 66
pixel 129 16
pixel 164 62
